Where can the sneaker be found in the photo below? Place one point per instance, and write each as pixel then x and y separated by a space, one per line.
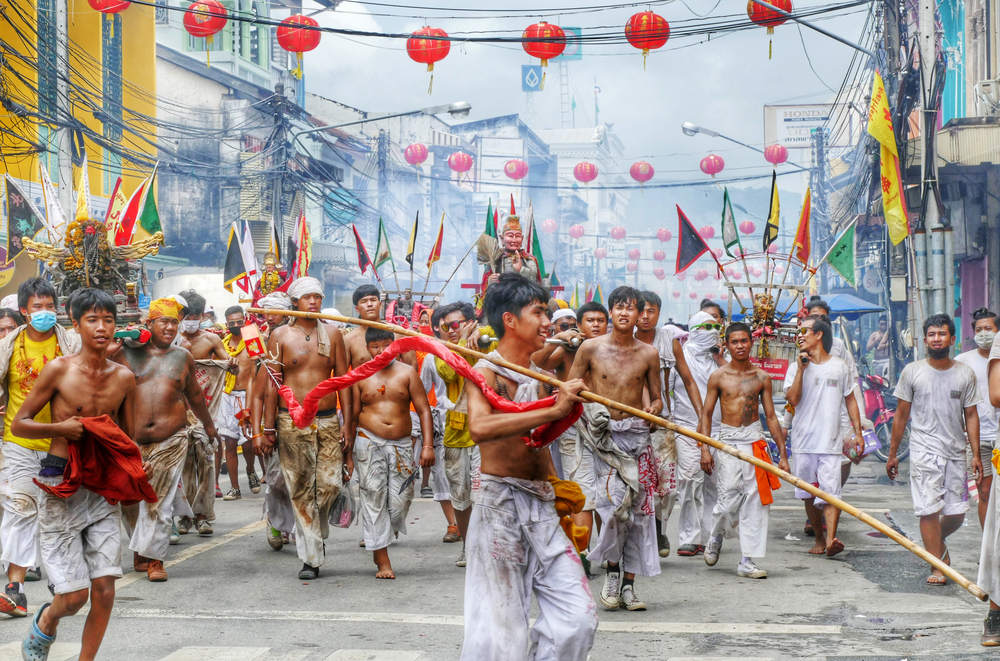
pixel 13 602
pixel 254 482
pixel 361 544
pixel 663 545
pixel 690 550
pixel 991 630
pixel 204 528
pixel 461 559
pixel 308 572
pixel 155 571
pixel 274 539
pixel 36 646
pixel 233 494
pixel 289 538
pixel 749 570
pixel 611 592
pixel 218 491
pixel 629 601
pixel 224 468
pixel 139 563
pixel 452 535
pixel 713 550
pixel 33 574
pixel 426 492
pixel 184 524
pixel 175 534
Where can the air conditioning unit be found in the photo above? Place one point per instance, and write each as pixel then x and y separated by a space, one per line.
pixel 987 98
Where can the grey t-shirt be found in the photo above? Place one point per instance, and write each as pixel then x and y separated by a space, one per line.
pixel 938 399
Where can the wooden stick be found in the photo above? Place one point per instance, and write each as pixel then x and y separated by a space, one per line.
pixel 718 445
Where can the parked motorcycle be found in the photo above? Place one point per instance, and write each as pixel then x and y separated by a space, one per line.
pixel 880 408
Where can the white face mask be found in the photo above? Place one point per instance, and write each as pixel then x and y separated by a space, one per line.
pixel 190 326
pixel 984 339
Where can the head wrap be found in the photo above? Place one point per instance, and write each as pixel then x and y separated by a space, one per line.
pixel 334 311
pixel 563 305
pixel 559 314
pixel 698 348
pixel 275 301
pixel 164 307
pixel 303 286
pixel 9 302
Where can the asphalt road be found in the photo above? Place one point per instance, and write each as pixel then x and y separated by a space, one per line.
pixel 231 598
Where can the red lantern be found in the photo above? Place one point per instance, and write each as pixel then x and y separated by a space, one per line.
pixel 747 227
pixel 617 233
pixel 552 45
pixel 631 267
pixel 415 154
pixel 550 226
pixel 647 31
pixel 600 253
pixel 659 255
pixel 776 154
pixel 422 47
pixel 707 232
pixel 659 273
pixel 203 19
pixel 693 295
pixel 577 231
pixel 585 172
pixel 756 272
pixel 773 248
pixel 681 276
pixel 515 169
pixel 675 294
pixel 642 172
pixel 460 162
pixel 767 17
pixel 298 34
pixel 701 275
pixel 729 272
pixel 738 252
pixel 634 254
pixel 663 234
pixel 109 6
pixel 712 165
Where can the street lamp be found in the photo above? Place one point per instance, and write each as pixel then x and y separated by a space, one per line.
pixel 690 129
pixel 458 110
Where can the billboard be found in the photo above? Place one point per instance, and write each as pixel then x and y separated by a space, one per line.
pixel 793 126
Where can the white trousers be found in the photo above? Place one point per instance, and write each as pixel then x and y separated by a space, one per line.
pixel 383 466
pixel 277 503
pixel 515 548
pixel 20 497
pixel 631 544
pixel 738 510
pixel 697 494
pixel 582 471
pixel 151 535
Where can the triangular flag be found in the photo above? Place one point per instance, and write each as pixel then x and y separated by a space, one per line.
pixel 491 225
pixel 803 242
pixel 880 117
pixel 690 244
pixel 534 243
pixel 274 242
pixel 411 246
pixel 553 280
pixel 383 253
pixel 574 300
pixel 599 295
pixel 364 261
pixel 249 256
pixel 24 221
pixel 83 192
pixel 234 269
pixel 55 219
pixel 148 222
pixel 116 208
pixel 438 244
pixel 126 227
pixel 292 250
pixel 588 294
pixel 773 215
pixel 303 239
pixel 841 256
pixel 730 237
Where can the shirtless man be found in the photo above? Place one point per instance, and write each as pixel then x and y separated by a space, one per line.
pixel 167 387
pixel 312 459
pixel 515 546
pixel 234 402
pixel 619 367
pixel 740 386
pixel 383 451
pixel 80 535
pixel 368 305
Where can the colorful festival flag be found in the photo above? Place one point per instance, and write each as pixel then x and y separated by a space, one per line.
pixel 803 242
pixel 436 250
pixel 249 256
pixel 880 128
pixel 83 192
pixel 773 215
pixel 303 239
pixel 383 252
pixel 23 220
pixel 841 256
pixel 55 219
pixel 412 245
pixel 599 295
pixel 574 300
pixel 690 244
pixel 363 260
pixel 588 294
pixel 234 269
pixel 730 237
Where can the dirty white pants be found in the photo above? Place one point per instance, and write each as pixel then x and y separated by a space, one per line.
pixel 738 510
pixel 697 493
pixel 277 503
pixel 631 544
pixel 20 496
pixel 515 548
pixel 151 535
pixel 199 474
pixel 382 467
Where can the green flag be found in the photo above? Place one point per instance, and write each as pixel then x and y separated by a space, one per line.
pixel 149 219
pixel 841 256
pixel 491 227
pixel 383 253
pixel 730 237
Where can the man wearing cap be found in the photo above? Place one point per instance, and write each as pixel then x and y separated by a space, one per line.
pixel 515 259
pixel 167 387
pixel 311 459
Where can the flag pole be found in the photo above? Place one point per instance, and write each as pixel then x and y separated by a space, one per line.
pixel 460 262
pixel 395 277
pixel 725 277
pixel 820 262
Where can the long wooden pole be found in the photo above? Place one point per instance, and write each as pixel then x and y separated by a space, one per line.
pixel 718 445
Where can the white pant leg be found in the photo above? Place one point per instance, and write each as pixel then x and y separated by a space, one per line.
pixel 738 510
pixel 630 543
pixel 382 468
pixel 19 496
pixel 277 503
pixel 439 481
pixel 400 465
pixel 697 494
pixel 151 536
pixel 583 474
pixel 181 506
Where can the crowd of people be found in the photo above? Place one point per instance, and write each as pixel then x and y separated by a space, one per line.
pixel 107 429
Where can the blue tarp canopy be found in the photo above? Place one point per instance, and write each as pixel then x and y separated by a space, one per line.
pixel 841 305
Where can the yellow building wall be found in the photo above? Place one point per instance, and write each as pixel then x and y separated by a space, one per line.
pixel 138 31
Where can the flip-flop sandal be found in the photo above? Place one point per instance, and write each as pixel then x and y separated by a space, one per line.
pixel 36 646
pixel 936 580
pixel 946 556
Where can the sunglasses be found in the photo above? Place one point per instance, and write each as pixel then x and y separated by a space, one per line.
pixel 710 326
pixel 803 331
pixel 455 325
pixel 565 327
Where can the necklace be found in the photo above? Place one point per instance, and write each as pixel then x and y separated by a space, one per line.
pixel 308 335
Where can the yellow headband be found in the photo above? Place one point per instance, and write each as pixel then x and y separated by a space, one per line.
pixel 164 307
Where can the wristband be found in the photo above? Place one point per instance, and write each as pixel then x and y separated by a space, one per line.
pixel 268 431
pixel 256 436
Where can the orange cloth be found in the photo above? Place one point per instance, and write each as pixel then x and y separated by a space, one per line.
pixel 577 534
pixel 107 462
pixel 569 496
pixel 766 482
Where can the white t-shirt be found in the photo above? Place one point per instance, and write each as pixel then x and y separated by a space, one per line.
pixel 938 399
pixel 663 342
pixel 987 413
pixel 816 425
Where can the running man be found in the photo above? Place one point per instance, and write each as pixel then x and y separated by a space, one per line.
pixel 80 535
pixel 744 502
pixel 383 450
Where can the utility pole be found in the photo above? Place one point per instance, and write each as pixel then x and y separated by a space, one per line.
pixel 930 198
pixel 64 110
pixel 382 162
pixel 281 159
pixel 819 217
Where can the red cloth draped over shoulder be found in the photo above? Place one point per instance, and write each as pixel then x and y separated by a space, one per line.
pixel 107 462
pixel 303 414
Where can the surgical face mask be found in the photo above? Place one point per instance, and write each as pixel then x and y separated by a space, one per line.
pixel 190 325
pixel 984 339
pixel 235 328
pixel 938 354
pixel 206 324
pixel 43 320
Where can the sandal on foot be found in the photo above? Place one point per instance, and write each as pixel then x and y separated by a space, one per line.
pixel 36 646
pixel 936 580
pixel 946 556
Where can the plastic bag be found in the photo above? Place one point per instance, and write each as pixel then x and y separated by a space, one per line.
pixel 345 509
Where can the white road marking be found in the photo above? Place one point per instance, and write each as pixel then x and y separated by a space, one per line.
pixel 720 658
pixel 217 654
pixel 374 655
pixel 458 621
pixel 58 651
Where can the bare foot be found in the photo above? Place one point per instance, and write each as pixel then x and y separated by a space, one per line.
pixel 381 558
pixel 385 572
pixel 819 548
pixel 835 547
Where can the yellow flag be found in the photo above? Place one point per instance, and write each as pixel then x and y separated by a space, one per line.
pixel 880 117
pixel 83 193
pixel 893 204
pixel 116 208
pixel 773 215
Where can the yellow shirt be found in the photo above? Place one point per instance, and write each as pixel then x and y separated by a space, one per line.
pixel 25 365
pixel 456 427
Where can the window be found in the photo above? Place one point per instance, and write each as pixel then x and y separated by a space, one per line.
pixel 258 36
pixel 47 102
pixel 111 71
pixel 112 170
pixel 162 14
